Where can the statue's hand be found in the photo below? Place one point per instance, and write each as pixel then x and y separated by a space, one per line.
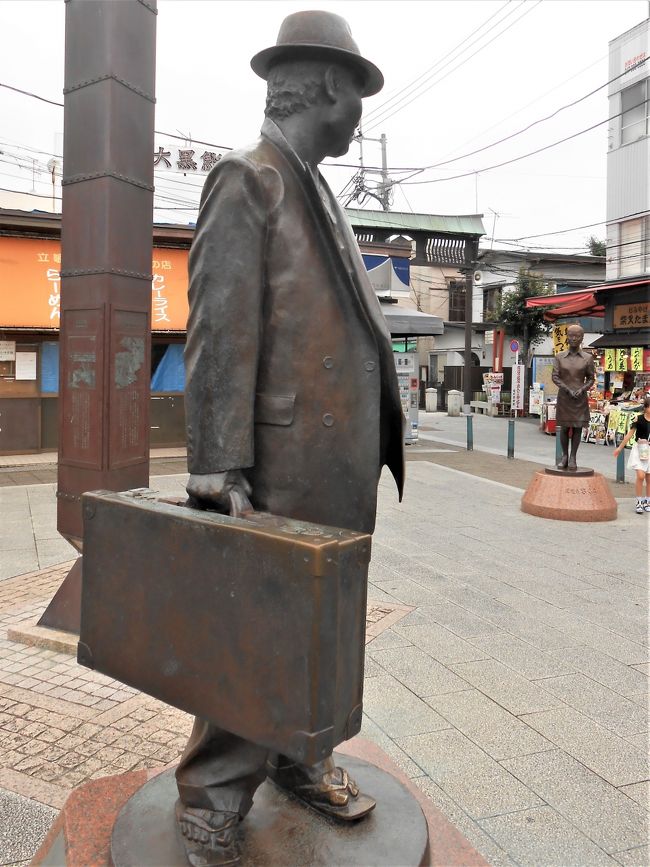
pixel 226 492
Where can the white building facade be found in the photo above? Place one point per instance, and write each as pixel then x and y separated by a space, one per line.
pixel 628 157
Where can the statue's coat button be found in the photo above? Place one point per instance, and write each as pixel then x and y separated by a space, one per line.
pixel 328 419
pixel 328 362
pixel 370 365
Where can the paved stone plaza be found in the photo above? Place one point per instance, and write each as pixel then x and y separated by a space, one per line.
pixel 507 668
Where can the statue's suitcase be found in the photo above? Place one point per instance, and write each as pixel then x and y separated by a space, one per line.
pixel 256 624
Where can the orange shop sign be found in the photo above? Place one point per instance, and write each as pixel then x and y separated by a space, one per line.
pixel 30 285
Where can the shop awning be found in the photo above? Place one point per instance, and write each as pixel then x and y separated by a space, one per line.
pixel 622 338
pixel 620 284
pixel 405 322
pixel 569 304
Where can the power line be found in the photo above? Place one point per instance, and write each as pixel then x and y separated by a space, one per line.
pixel 193 140
pixel 37 195
pixel 535 122
pixel 388 114
pixel 514 159
pixel 33 95
pixel 575 228
pixel 431 70
pixel 528 104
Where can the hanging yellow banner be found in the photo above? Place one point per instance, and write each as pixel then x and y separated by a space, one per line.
pixel 610 360
pixel 636 358
pixel 621 359
pixel 560 341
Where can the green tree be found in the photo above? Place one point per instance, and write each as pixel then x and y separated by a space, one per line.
pixel 596 247
pixel 526 324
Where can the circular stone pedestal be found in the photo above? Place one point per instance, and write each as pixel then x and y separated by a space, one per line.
pixel 569 495
pixel 281 832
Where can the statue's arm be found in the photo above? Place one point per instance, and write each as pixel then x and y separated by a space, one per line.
pixel 226 281
pixel 556 376
pixel 590 376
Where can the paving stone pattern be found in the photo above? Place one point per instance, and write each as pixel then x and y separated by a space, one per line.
pixel 495 678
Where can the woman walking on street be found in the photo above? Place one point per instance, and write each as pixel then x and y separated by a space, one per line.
pixel 639 459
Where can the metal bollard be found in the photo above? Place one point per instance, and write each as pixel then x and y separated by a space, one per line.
pixel 470 433
pixel 620 467
pixel 511 437
pixel 558 448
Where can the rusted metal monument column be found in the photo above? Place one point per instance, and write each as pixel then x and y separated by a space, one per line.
pixel 106 241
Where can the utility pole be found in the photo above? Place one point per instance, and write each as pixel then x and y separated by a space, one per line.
pixel 385 183
pixel 471 256
pixel 494 226
pixel 385 186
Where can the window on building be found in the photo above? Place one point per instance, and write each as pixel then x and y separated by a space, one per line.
pixel 456 301
pixel 633 252
pixel 634 112
pixel 491 297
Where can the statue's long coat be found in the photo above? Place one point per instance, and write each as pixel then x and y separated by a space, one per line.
pixel 289 364
pixel 571 371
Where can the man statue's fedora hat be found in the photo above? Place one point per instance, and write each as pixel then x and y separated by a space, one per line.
pixel 318 34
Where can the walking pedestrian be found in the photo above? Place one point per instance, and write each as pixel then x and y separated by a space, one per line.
pixel 639 459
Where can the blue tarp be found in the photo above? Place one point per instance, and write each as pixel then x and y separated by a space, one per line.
pixel 170 373
pixel 50 368
pixel 400 265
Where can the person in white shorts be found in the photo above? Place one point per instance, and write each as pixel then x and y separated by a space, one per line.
pixel 639 459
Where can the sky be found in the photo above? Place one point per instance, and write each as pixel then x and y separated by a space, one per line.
pixel 482 70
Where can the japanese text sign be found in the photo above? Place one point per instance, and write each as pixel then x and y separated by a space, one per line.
pixel 191 159
pixel 517 396
pixel 560 340
pixel 621 359
pixel 610 360
pixel 632 315
pixel 30 285
pixel 636 358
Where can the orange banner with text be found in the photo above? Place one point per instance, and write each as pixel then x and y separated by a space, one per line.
pixel 30 285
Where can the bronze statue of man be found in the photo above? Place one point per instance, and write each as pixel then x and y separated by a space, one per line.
pixel 291 399
pixel 574 375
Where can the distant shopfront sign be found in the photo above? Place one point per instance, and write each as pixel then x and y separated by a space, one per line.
pixel 30 285
pixel 191 159
pixel 632 315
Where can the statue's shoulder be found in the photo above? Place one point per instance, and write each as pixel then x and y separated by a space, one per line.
pixel 563 354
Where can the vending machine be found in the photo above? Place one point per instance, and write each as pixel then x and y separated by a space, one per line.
pixel 407 378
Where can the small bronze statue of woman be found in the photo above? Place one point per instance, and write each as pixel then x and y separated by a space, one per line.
pixel 574 375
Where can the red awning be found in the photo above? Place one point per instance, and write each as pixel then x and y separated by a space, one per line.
pixel 620 284
pixel 568 304
pixel 560 298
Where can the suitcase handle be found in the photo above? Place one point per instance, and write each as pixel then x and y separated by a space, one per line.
pixel 239 505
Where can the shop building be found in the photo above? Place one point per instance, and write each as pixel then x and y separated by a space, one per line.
pixel 30 263
pixel 624 346
pixel 441 246
pixel 30 257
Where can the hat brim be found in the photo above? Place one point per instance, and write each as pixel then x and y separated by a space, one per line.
pixel 264 60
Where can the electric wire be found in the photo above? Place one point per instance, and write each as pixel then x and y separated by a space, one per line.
pixel 528 104
pixel 536 122
pixel 382 118
pixel 513 159
pixel 432 69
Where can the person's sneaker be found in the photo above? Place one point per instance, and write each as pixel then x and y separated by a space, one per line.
pixel 646 506
pixel 639 507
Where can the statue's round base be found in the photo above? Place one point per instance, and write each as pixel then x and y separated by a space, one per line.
pixel 281 831
pixel 82 832
pixel 569 495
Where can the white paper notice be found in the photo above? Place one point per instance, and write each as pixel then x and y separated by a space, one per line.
pixel 26 365
pixel 7 350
